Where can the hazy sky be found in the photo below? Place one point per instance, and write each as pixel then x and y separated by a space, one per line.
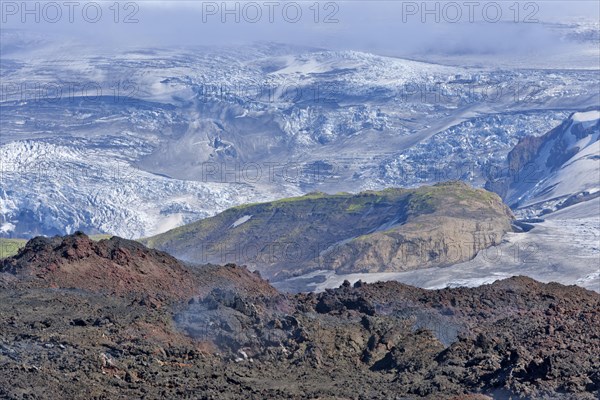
pixel 401 27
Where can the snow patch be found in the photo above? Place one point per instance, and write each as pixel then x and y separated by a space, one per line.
pixel 588 116
pixel 169 222
pixel 240 221
pixel 7 227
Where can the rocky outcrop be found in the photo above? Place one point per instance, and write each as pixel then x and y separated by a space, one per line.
pixel 389 230
pixel 439 242
pixel 113 265
pixel 516 338
pixel 122 267
pixel 113 319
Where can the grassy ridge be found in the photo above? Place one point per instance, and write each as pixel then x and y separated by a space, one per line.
pixel 290 236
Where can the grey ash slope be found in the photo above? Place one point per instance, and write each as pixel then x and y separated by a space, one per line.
pixel 373 231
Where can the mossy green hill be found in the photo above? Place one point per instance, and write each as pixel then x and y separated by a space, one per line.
pixel 389 230
pixel 10 247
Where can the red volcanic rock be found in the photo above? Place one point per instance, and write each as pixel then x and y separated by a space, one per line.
pixel 113 265
pixel 234 278
pixel 122 267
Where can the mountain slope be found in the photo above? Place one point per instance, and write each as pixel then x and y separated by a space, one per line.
pixel 389 230
pixel 121 267
pixel 553 171
pixel 513 339
pixel 112 265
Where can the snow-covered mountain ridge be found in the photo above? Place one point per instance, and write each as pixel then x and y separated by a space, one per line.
pixel 553 171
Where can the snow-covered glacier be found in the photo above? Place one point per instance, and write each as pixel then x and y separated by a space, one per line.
pixel 136 141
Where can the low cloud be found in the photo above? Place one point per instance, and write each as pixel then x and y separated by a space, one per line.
pixel 396 28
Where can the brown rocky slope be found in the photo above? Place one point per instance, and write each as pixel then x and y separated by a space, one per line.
pixel 234 336
pixel 117 266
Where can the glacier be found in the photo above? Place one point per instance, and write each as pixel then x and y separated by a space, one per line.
pixel 136 141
